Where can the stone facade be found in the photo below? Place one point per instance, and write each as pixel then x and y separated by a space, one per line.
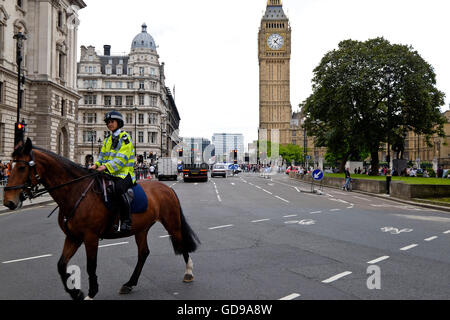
pixel 132 84
pixel 50 99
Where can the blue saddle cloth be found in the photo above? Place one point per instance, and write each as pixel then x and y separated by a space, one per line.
pixel 140 201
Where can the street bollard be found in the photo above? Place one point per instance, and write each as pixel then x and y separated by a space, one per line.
pixel 388 181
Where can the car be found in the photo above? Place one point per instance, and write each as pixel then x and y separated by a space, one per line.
pixel 292 169
pixel 219 169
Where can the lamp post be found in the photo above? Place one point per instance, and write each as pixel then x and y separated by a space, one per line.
pixel 20 81
pixel 135 124
pixel 99 145
pixel 304 142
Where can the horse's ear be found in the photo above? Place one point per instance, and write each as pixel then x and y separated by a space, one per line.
pixel 28 146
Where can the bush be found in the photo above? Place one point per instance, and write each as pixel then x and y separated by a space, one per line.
pixel 431 173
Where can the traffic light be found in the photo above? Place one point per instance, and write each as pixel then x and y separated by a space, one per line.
pixel 235 156
pixel 151 155
pixel 145 154
pixel 180 152
pixel 19 131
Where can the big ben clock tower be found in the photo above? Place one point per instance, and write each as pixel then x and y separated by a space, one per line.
pixel 274 54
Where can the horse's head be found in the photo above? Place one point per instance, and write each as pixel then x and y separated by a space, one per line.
pixel 20 177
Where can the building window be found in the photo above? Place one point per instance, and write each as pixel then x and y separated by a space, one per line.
pixel 118 101
pixel 108 84
pixel 108 69
pixel 141 118
pixel 61 65
pixel 130 71
pixel 119 70
pixel 152 118
pixel 141 71
pixel 129 101
pixel 107 101
pixel 90 99
pixel 2 137
pixel 152 137
pixel 60 19
pixel 152 72
pixel 129 85
pixel 63 105
pixel 129 118
pixel 141 99
pixel 141 136
pixel 119 85
pixel 153 85
pixel 153 101
pixel 1 92
pixel 141 85
pixel 89 136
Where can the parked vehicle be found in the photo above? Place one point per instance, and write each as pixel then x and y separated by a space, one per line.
pixel 195 172
pixel 167 169
pixel 219 169
pixel 293 169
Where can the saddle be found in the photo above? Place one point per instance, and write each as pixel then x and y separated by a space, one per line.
pixel 136 196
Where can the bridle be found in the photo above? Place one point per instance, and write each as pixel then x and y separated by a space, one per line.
pixel 30 189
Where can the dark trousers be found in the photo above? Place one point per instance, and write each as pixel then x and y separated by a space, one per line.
pixel 120 188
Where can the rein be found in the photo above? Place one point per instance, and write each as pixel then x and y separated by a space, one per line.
pixel 33 191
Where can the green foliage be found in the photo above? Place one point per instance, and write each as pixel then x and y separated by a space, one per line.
pixel 368 93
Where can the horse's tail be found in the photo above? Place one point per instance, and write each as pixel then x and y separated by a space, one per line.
pixel 189 240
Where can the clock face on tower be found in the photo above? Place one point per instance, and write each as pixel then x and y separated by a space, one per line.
pixel 275 41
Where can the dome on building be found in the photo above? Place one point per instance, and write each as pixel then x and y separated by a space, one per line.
pixel 143 40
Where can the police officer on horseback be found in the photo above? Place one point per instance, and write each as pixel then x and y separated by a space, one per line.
pixel 117 158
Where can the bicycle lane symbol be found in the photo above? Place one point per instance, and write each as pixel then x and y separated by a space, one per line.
pixel 393 230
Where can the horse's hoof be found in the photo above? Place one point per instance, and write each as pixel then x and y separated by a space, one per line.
pixel 125 289
pixel 79 296
pixel 188 278
pixel 88 298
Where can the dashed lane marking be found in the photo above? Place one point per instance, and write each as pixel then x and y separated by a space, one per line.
pixel 30 258
pixel 282 199
pixel 291 296
pixel 291 215
pixel 378 259
pixel 220 227
pixel 113 244
pixel 336 277
pixel 260 220
pixel 315 212
pixel 445 232
pixel 430 238
pixel 409 247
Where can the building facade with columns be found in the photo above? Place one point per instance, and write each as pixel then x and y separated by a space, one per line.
pixel 133 85
pixel 50 98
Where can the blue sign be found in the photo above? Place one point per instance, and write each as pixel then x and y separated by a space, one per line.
pixel 317 175
pixel 308 157
pixel 180 167
pixel 233 167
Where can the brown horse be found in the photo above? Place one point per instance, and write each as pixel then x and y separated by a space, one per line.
pixel 84 218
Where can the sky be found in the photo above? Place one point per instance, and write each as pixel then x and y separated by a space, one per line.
pixel 209 47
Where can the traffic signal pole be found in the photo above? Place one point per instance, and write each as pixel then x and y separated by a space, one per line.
pixel 19 127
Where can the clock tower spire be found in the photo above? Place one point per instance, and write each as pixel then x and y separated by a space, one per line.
pixel 274 54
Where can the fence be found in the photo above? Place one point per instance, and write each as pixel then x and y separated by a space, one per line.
pixel 142 173
pixel 2 185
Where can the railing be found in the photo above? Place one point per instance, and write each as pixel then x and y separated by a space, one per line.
pixel 142 173
pixel 2 186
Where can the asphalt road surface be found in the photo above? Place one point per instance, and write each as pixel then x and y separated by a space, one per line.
pixel 262 239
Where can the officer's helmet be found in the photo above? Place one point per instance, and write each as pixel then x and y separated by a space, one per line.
pixel 114 115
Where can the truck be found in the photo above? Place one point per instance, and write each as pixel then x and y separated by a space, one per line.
pixel 167 169
pixel 197 171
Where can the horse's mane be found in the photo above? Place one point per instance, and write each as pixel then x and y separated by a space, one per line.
pixel 69 165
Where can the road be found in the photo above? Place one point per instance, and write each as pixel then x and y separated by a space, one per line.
pixel 262 239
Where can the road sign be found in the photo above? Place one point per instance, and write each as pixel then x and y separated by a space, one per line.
pixel 317 175
pixel 308 157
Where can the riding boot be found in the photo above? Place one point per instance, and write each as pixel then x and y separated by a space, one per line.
pixel 125 214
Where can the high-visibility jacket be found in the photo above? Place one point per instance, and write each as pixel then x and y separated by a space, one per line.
pixel 117 155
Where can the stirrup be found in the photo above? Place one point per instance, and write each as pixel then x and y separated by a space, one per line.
pixel 125 225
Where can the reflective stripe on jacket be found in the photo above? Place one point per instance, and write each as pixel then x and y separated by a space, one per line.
pixel 119 160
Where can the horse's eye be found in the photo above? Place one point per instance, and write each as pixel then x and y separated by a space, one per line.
pixel 21 169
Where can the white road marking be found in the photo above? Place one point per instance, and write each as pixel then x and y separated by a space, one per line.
pixel 336 277
pixel 365 199
pixel 258 187
pixel 409 247
pixel 339 193
pixel 430 238
pixel 335 210
pixel 113 244
pixel 315 212
pixel 260 220
pixel 232 183
pixel 282 199
pixel 378 259
pixel 267 191
pixel 218 198
pixel 25 259
pixel 291 215
pixel 166 236
pixel 448 231
pixel 290 297
pixel 219 227
pixel 296 189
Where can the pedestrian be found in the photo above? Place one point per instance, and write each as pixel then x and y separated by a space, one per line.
pixel 440 172
pixel 347 179
pixel 117 159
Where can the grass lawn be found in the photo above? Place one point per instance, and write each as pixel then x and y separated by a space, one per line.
pixel 447 200
pixel 410 180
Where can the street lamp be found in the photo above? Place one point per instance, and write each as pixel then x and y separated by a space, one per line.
pixel 20 79
pixel 304 142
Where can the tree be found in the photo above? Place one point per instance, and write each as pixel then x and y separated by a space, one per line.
pixel 369 93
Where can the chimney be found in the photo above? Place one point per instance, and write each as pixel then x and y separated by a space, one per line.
pixel 107 50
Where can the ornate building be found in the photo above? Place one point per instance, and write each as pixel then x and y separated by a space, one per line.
pixel 50 99
pixel 132 84
pixel 274 54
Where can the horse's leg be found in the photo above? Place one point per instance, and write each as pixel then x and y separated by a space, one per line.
pixel 91 244
pixel 70 247
pixel 188 275
pixel 143 252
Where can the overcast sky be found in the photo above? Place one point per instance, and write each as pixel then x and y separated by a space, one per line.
pixel 210 47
